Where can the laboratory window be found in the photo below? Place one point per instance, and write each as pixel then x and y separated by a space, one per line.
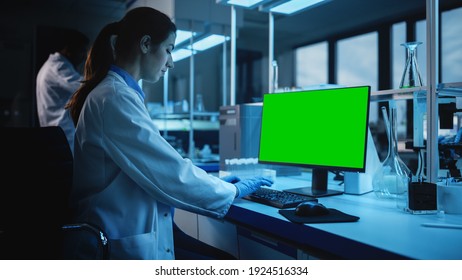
pixel 421 36
pixel 451 46
pixel 398 52
pixel 311 64
pixel 357 64
pixel 357 60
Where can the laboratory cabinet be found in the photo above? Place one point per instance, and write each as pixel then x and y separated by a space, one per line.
pixel 239 241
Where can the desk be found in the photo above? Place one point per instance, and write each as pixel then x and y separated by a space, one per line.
pixel 382 232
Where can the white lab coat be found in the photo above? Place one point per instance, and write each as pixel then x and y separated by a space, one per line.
pixel 56 81
pixel 127 177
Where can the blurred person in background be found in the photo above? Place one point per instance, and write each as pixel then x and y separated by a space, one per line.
pixel 58 79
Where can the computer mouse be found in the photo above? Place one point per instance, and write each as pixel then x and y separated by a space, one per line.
pixel 311 209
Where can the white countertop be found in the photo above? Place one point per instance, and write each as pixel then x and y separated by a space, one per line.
pixel 381 225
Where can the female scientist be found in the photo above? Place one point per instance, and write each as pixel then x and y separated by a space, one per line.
pixel 127 177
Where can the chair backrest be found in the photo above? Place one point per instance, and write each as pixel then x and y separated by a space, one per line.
pixel 36 177
pixel 35 218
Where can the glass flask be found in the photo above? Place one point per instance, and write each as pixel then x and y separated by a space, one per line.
pixel 411 76
pixel 390 180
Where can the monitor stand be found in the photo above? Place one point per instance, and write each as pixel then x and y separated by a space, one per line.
pixel 319 186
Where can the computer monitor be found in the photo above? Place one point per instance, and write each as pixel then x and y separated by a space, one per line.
pixel 323 129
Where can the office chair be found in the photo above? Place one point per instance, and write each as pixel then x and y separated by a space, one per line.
pixel 34 192
pixel 84 241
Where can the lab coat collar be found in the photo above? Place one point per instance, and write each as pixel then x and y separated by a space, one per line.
pixel 128 79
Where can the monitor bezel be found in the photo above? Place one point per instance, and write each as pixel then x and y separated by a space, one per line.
pixel 326 167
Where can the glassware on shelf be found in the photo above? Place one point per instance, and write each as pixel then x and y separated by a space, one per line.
pixel 199 103
pixel 411 76
pixel 390 180
pixel 275 77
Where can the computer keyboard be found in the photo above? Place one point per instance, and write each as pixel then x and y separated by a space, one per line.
pixel 278 198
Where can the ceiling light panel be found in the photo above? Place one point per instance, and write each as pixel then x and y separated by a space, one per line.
pixel 208 42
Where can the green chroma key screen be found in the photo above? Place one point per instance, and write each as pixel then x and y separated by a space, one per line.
pixel 316 128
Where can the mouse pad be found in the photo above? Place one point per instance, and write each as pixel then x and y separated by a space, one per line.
pixel 334 216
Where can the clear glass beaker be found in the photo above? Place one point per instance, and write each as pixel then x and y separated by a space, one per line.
pixel 390 179
pixel 411 75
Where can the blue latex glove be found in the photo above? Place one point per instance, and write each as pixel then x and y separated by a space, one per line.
pixel 231 179
pixel 248 186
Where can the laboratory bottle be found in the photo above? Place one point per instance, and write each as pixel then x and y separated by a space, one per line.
pixel 199 103
pixel 390 180
pixel 275 77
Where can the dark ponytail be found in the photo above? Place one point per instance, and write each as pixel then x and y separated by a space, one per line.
pixel 97 65
pixel 136 23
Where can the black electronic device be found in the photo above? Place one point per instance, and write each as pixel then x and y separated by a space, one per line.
pixel 311 209
pixel 422 196
pixel 323 129
pixel 277 198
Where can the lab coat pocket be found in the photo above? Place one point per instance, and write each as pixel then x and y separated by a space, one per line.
pixel 134 247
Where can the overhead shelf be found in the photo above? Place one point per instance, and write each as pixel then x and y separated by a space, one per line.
pixel 443 89
pixel 397 94
pixel 450 89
